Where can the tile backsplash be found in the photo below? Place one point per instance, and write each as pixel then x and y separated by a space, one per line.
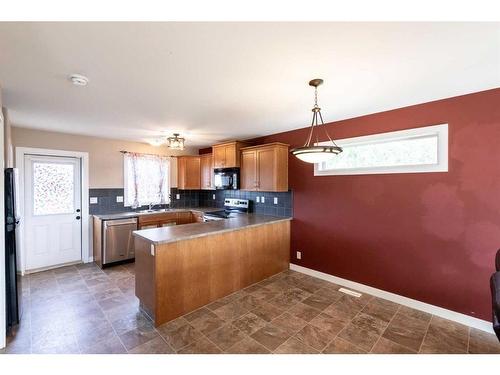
pixel 107 200
pixel 282 208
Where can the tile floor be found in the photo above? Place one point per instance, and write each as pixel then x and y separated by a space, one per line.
pixel 83 309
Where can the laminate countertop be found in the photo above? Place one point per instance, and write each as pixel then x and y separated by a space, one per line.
pixel 129 214
pixel 176 233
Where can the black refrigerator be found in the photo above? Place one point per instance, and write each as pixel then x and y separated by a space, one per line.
pixel 12 279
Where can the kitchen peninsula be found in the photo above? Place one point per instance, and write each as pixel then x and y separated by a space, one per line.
pixel 181 268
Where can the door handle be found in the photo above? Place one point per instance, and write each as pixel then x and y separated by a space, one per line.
pixel 78 218
pixel 77 210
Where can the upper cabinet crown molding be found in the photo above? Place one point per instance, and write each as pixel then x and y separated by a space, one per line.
pixel 227 154
pixel 265 167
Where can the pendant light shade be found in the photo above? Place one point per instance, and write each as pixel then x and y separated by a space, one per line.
pixel 311 153
pixel 316 154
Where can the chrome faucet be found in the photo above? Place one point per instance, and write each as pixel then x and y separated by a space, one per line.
pixel 151 205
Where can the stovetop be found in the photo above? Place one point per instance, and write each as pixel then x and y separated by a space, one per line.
pixel 231 207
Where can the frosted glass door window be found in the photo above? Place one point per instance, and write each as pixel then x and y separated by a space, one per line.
pixel 53 188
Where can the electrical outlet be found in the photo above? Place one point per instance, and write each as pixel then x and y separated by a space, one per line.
pixel 93 200
pixel 275 200
pixel 257 199
pixel 262 200
pixel 299 255
pixel 119 199
pixel 213 196
pixel 177 196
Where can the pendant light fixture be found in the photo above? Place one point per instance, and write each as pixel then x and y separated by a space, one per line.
pixel 175 142
pixel 311 153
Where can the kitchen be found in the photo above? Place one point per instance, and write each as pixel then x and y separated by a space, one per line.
pixel 245 223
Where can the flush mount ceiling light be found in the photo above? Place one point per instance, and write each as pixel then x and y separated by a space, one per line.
pixel 175 142
pixel 316 154
pixel 78 80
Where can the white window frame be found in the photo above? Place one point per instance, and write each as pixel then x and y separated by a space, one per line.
pixel 441 166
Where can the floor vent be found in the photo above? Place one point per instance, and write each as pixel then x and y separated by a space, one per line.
pixel 350 292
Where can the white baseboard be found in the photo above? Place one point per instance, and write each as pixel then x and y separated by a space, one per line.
pixel 470 321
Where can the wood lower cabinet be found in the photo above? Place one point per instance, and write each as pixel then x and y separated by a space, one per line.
pixel 207 171
pixel 180 277
pixel 227 155
pixel 165 219
pixel 197 216
pixel 185 217
pixel 265 167
pixel 188 172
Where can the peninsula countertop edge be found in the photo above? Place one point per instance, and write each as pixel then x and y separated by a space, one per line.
pixel 169 234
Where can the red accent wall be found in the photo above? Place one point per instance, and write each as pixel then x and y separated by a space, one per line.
pixel 427 236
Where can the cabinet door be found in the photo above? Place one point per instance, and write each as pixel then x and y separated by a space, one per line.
pixel 248 172
pixel 206 171
pixel 266 169
pixel 149 225
pixel 167 223
pixel 185 217
pixel 193 173
pixel 219 154
pixel 230 156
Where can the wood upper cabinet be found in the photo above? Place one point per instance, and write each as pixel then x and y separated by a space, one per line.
pixel 248 171
pixel 207 171
pixel 188 172
pixel 227 155
pixel 265 167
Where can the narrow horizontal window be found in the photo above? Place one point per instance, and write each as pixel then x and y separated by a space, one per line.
pixel 406 151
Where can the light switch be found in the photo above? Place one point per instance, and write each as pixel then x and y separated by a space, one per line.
pixel 213 196
pixel 262 200
pixel 177 196
pixel 275 200
pixel 257 199
pixel 93 200
pixel 119 199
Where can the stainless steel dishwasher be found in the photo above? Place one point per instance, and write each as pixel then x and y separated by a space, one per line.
pixel 118 241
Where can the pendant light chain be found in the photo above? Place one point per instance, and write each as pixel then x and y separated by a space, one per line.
pixel 316 153
pixel 317 111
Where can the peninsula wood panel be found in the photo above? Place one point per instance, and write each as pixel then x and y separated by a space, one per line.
pixel 144 276
pixel 192 273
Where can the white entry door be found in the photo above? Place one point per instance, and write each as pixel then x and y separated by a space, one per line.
pixel 53 230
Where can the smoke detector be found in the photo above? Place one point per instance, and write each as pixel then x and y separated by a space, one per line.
pixel 78 80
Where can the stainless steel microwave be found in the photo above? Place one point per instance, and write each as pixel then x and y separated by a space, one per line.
pixel 227 178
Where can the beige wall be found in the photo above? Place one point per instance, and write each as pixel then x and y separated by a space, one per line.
pixel 105 159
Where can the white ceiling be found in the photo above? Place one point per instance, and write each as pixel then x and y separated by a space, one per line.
pixel 217 81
